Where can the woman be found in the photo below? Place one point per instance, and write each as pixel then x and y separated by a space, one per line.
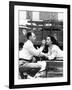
pixel 53 49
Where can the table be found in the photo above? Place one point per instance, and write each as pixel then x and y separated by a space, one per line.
pixel 54 68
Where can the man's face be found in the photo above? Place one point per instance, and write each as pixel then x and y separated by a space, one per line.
pixel 33 37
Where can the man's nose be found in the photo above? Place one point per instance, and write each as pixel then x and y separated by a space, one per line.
pixel 35 37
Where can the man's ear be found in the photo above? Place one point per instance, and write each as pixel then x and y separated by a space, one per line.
pixel 51 42
pixel 29 37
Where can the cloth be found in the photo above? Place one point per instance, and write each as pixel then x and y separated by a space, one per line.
pixel 43 65
pixel 29 51
pixel 55 51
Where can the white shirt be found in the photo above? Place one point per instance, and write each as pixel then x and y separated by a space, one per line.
pixel 55 51
pixel 29 51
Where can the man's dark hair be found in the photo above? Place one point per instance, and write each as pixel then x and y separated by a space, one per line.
pixel 28 35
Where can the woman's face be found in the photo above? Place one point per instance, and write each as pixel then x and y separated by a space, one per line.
pixel 48 41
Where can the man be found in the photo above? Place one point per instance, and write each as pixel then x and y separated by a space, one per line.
pixel 26 55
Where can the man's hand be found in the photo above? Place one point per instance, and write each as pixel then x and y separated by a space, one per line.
pixel 43 42
pixel 46 55
pixel 34 59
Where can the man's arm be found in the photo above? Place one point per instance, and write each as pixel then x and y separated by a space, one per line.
pixel 34 51
pixel 41 48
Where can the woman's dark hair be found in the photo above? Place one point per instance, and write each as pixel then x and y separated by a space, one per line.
pixel 54 41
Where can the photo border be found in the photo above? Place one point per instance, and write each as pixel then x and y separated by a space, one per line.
pixel 11 43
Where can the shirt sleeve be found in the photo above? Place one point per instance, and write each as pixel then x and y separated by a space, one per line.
pixel 33 51
pixel 53 55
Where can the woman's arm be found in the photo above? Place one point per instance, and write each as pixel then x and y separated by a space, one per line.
pixel 52 55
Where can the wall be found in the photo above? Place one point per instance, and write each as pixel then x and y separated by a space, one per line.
pixel 48 16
